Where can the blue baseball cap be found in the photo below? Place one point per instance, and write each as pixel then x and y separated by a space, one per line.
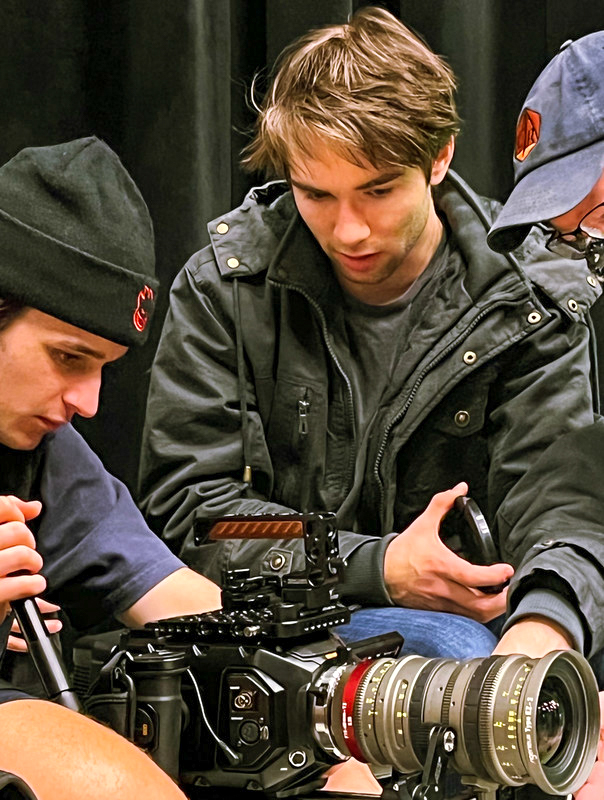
pixel 559 152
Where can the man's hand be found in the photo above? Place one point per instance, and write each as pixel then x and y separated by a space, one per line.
pixel 421 572
pixel 536 637
pixel 18 552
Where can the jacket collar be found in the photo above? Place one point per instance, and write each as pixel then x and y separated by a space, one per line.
pixel 560 279
pixel 266 233
pixel 245 239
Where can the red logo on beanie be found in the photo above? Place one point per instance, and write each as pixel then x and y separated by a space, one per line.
pixel 145 298
pixel 527 133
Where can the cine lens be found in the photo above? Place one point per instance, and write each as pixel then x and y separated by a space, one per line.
pixel 515 720
pixel 551 718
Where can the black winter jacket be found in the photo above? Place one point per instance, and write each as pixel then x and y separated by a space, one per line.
pixel 495 367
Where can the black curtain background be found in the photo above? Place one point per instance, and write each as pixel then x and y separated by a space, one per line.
pixel 164 82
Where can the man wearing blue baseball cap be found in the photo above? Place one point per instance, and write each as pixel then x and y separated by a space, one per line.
pixel 559 158
pixel 559 186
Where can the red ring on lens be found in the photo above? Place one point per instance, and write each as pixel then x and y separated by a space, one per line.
pixel 348 698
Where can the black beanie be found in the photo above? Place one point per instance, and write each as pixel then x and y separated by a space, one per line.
pixel 76 239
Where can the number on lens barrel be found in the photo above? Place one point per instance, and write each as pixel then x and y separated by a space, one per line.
pixel 517 720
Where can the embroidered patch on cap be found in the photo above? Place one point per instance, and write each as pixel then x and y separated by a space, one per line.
pixel 527 133
pixel 144 302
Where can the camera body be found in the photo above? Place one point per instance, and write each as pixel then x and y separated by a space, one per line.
pixel 262 695
pixel 230 698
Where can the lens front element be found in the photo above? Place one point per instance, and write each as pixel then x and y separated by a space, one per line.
pixel 552 708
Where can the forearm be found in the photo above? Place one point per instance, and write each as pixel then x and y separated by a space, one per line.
pixel 65 755
pixel 554 609
pixel 554 531
pixel 183 592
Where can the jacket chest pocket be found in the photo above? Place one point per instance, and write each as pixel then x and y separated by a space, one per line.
pixel 295 434
pixel 449 446
pixel 464 411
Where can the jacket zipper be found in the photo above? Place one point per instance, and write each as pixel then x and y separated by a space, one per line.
pixel 332 353
pixel 407 404
pixel 303 409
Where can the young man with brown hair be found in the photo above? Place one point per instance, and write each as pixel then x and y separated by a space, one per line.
pixel 349 343
pixel 77 286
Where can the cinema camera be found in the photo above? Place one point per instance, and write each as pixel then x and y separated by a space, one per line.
pixel 261 696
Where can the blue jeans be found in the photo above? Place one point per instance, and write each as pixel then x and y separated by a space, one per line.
pixel 434 634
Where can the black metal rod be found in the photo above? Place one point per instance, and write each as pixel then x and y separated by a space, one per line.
pixel 46 660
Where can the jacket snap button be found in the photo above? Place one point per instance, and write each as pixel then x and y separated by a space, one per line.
pixel 276 561
pixel 534 317
pixel 462 418
pixel 469 357
pixel 233 263
pixel 592 281
pixel 547 542
pixel 573 305
pixel 222 227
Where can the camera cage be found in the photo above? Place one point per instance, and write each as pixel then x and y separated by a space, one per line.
pixel 273 607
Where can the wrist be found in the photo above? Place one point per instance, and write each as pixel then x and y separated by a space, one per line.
pixel 549 624
pixel 534 636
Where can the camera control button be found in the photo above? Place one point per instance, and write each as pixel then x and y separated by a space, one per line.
pixel 144 727
pixel 249 732
pixel 243 700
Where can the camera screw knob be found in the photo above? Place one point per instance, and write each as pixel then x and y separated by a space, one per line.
pixel 276 561
pixel 449 741
pixel 297 758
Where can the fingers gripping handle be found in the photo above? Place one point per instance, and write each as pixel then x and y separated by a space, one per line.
pixel 47 661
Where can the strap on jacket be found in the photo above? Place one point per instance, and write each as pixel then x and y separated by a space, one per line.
pixel 247 468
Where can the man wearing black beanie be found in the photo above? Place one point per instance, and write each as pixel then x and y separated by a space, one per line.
pixel 77 288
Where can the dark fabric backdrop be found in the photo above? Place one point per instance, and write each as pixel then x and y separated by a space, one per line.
pixel 164 83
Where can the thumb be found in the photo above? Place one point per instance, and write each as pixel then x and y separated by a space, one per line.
pixel 22 509
pixel 31 508
pixel 443 502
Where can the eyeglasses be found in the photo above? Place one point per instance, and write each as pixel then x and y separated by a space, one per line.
pixel 586 241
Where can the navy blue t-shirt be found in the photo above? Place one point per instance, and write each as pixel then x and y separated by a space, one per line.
pixel 99 555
